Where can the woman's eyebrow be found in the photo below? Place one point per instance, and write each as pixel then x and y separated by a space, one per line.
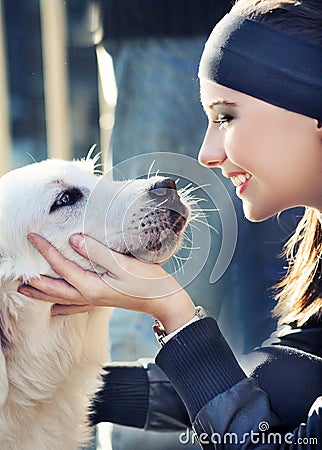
pixel 208 106
pixel 222 102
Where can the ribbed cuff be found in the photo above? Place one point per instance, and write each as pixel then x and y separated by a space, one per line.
pixel 124 397
pixel 200 364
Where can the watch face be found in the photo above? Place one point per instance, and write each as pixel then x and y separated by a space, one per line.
pixel 158 331
pixel 201 312
pixel 163 338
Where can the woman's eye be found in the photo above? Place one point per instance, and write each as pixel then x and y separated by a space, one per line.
pixel 66 198
pixel 223 120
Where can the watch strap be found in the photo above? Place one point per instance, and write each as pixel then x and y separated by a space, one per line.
pixel 159 330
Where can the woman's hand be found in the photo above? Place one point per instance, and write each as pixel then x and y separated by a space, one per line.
pixel 127 283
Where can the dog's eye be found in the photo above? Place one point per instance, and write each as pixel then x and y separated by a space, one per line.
pixel 66 198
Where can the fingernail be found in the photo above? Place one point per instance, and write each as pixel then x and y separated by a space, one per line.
pixel 31 237
pixel 53 311
pixel 77 240
pixel 24 292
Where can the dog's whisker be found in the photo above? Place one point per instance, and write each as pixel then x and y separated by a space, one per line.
pixel 186 187
pixel 194 226
pixel 150 169
pixel 190 248
pixel 90 153
pixel 31 156
pixel 173 263
pixel 189 188
pixel 98 171
pixel 210 210
pixel 205 223
pixel 195 213
pixel 178 266
pixel 187 238
pixel 191 198
pixel 182 258
pixel 162 203
pixel 98 165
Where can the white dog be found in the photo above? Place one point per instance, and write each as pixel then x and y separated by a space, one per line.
pixel 50 365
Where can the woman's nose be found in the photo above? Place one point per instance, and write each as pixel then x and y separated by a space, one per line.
pixel 212 152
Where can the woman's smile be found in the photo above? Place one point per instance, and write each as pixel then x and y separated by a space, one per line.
pixel 240 180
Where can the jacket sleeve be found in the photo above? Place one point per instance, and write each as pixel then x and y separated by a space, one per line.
pixel 138 394
pixel 225 406
pixel 242 418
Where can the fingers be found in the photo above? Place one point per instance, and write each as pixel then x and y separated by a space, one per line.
pixel 117 265
pixel 65 268
pixel 98 253
pixel 124 277
pixel 31 292
pixel 52 290
pixel 64 310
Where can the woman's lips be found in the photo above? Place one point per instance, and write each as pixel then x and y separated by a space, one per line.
pixel 239 179
pixel 243 187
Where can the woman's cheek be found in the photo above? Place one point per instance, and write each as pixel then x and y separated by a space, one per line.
pixel 237 148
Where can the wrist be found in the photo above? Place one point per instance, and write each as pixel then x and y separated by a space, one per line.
pixel 162 336
pixel 176 312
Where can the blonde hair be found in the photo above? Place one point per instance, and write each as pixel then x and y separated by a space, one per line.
pixel 299 296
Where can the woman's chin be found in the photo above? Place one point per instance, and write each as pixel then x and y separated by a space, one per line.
pixel 257 214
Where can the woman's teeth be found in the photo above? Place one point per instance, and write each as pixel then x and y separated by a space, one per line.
pixel 237 180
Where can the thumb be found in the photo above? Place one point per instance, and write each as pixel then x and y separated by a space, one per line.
pixel 97 252
pixel 77 241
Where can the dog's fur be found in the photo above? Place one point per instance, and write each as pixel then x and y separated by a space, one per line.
pixel 50 365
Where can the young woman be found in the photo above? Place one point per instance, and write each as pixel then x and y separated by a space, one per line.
pixel 260 82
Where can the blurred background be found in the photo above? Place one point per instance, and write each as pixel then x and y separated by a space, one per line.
pixel 49 81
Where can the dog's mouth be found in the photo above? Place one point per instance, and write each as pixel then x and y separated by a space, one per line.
pixel 158 236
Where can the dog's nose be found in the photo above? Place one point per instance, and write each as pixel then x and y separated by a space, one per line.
pixel 164 189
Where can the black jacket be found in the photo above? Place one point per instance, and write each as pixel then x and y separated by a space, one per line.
pixel 210 392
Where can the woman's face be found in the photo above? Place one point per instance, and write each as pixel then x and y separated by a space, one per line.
pixel 272 156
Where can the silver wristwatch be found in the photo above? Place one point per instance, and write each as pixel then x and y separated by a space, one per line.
pixel 160 333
